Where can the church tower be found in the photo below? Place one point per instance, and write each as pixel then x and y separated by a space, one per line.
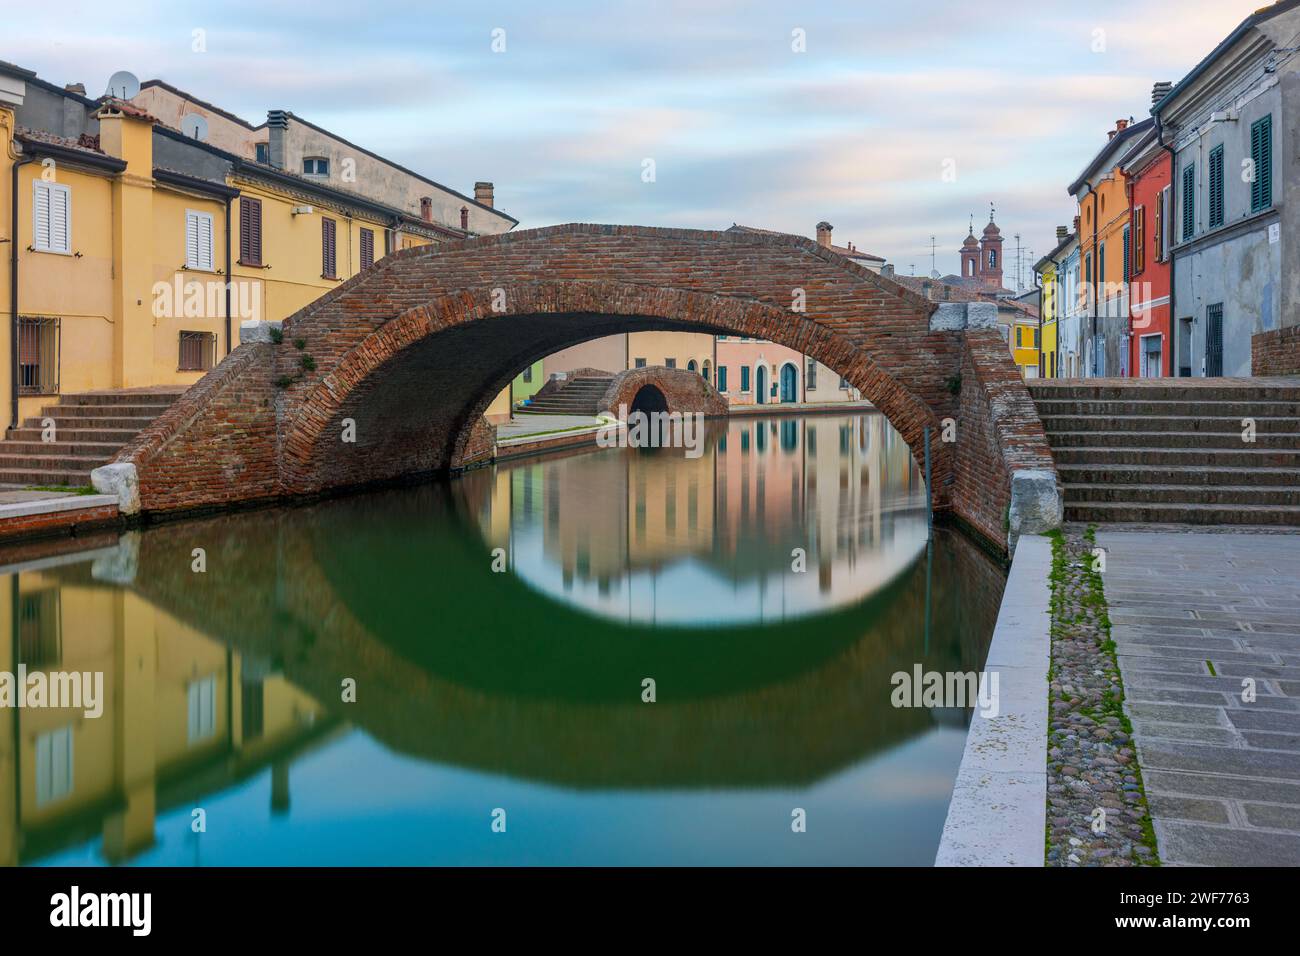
pixel 970 255
pixel 990 256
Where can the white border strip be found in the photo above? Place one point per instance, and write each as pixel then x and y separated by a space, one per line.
pixel 998 812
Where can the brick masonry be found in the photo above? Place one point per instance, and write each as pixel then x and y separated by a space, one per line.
pixel 407 356
pixel 1276 352
pixel 684 392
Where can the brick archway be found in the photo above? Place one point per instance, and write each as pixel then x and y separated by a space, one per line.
pixel 407 355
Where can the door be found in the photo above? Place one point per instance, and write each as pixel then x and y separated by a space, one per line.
pixel 1152 364
pixel 1214 340
pixel 760 388
pixel 788 383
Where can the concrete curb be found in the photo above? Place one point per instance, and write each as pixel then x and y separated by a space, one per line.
pixel 998 812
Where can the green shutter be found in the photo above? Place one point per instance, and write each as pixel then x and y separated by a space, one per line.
pixel 1189 201
pixel 1127 261
pixel 1261 153
pixel 1216 187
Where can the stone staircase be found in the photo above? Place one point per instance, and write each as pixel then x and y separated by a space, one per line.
pixel 89 430
pixel 580 396
pixel 1171 451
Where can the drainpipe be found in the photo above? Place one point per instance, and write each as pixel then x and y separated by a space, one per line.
pixel 1169 233
pixel 13 293
pixel 229 275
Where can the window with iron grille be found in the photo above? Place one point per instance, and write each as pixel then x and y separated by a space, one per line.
pixel 810 378
pixel 328 267
pixel 198 351
pixel 38 355
pixel 1261 155
pixel 1216 187
pixel 367 248
pixel 1214 340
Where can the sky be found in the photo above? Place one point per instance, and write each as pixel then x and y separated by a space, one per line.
pixel 895 121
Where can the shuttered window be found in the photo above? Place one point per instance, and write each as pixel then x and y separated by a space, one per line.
pixel 1216 187
pixel 1189 201
pixel 198 240
pixel 367 248
pixel 250 231
pixel 1261 154
pixel 51 217
pixel 1128 261
pixel 1139 239
pixel 329 260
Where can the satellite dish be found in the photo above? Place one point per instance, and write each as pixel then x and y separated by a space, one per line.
pixel 123 85
pixel 194 126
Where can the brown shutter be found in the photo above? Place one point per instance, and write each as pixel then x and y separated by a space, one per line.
pixel 327 248
pixel 250 231
pixel 367 248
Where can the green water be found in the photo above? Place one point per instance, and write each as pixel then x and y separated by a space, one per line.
pixel 461 674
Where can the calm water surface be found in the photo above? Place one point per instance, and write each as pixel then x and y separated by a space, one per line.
pixel 499 629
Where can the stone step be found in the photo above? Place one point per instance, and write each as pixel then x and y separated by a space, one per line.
pixel 1157 439
pixel 1167 408
pixel 1155 389
pixel 1112 512
pixel 144 413
pixel 133 425
pixel 1223 495
pixel 102 451
pixel 1182 457
pixel 1198 474
pixel 52 462
pixel 1180 423
pixel 155 399
pixel 116 436
pixel 41 476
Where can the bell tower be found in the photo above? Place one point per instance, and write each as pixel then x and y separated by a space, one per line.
pixel 970 254
pixel 990 255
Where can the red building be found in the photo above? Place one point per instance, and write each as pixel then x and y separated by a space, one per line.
pixel 1146 169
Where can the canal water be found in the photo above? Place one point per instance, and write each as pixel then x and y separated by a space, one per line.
pixel 617 656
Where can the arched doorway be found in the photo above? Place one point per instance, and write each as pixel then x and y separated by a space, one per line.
pixel 708 372
pixel 760 385
pixel 789 383
pixel 691 366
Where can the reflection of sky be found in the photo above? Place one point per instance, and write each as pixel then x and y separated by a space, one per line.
pixel 355 803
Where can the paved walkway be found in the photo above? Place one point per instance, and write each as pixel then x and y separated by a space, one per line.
pixel 1193 615
pixel 522 426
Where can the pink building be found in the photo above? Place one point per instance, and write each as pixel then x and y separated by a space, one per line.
pixel 758 372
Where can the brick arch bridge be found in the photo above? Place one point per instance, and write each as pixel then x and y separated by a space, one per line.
pixel 407 355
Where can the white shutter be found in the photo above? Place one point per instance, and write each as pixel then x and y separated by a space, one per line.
pixel 198 240
pixel 60 218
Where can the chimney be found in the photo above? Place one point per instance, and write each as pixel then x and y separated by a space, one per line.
pixel 464 218
pixel 824 233
pixel 483 193
pixel 426 208
pixel 1160 91
pixel 277 129
pixel 78 88
pixel 1076 223
pixel 1062 233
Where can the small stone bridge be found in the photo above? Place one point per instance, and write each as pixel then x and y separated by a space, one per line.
pixel 386 378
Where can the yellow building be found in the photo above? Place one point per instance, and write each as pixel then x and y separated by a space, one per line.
pixel 135 251
pixel 1025 344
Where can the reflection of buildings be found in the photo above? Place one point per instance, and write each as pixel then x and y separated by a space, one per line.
pixel 182 715
pixel 834 486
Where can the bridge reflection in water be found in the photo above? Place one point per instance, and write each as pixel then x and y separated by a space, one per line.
pixel 522 689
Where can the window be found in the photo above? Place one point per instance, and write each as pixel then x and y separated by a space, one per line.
pixel 198 240
pixel 329 261
pixel 315 166
pixel 528 374
pixel 40 629
pixel 51 217
pixel 367 248
pixel 1216 187
pixel 640 363
pixel 198 351
pixel 744 378
pixel 53 765
pixel 38 356
pixel 250 231
pixel 1163 213
pixel 1189 201
pixel 670 362
pixel 810 377
pixel 844 383
pixel 262 153
pixel 1139 239
pixel 1128 262
pixel 1101 264
pixel 201 697
pixel 993 258
pixel 722 378
pixel 1261 155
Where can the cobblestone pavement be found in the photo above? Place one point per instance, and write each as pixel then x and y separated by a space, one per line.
pixel 1096 814
pixel 1194 617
